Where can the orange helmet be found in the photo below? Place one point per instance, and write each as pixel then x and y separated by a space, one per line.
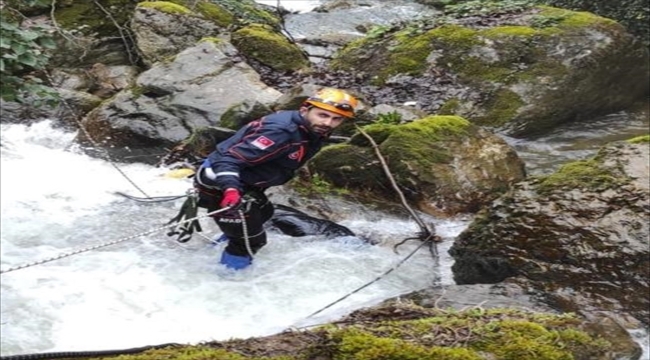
pixel 334 100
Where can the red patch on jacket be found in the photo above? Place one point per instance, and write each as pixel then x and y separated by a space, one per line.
pixel 297 155
pixel 262 142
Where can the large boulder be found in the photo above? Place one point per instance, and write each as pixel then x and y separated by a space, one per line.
pixel 270 47
pixel 162 29
pixel 634 14
pixel 580 235
pixel 196 89
pixel 443 164
pixel 522 73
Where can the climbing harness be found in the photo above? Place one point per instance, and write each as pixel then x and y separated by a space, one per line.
pixel 186 222
pixel 184 229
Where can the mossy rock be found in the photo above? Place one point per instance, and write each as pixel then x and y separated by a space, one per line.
pixel 269 47
pixel 640 139
pixel 89 18
pixel 169 7
pixel 635 14
pixel 209 10
pixel 444 165
pixel 414 147
pixel 515 68
pixel 241 114
pixel 249 12
pixel 424 334
pixel 584 174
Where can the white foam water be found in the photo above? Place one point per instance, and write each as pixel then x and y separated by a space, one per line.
pixel 123 289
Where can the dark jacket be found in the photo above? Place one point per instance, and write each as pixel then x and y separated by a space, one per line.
pixel 264 153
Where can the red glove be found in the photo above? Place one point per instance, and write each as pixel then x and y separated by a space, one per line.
pixel 231 198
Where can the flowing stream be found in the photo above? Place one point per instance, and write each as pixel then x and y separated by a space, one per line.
pixel 147 290
pixel 130 285
pixel 150 289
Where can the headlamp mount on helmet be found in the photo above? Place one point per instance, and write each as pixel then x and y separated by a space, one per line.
pixel 334 100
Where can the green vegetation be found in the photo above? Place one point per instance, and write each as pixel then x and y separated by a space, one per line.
pixel 165 6
pixel 86 17
pixel 586 174
pixel 486 8
pixel 315 185
pixel 643 139
pixel 391 118
pixel 419 143
pixel 427 334
pixel 633 14
pixel 269 47
pixel 24 54
pixel 248 12
pixel 503 62
pixel 208 10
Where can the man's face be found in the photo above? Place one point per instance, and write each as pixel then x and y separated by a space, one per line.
pixel 321 121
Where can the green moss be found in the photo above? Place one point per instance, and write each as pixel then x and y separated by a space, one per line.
pixel 418 144
pixel 216 13
pixel 85 16
pixel 640 139
pixel 404 52
pixel 521 339
pixel 208 10
pixel 186 353
pixel 165 6
pixel 450 107
pixel 211 39
pixel 353 343
pixel 503 333
pixel 409 55
pixel 573 19
pixel 262 43
pixel 587 174
pixel 202 141
pixel 458 36
pixel 501 31
pixel 434 334
pixel 504 106
pixel 315 185
pixel 249 12
pixel 137 91
pixel 517 47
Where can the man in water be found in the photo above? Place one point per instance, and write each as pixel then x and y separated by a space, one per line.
pixel 264 153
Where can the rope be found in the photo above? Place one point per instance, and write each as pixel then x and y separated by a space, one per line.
pixel 151 199
pixel 371 282
pixel 427 236
pixel 95 144
pixel 76 115
pixel 245 232
pixel 417 219
pixel 79 251
pixel 83 354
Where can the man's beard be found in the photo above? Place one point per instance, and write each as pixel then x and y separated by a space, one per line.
pixel 322 130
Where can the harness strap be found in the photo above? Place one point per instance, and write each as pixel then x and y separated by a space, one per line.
pixel 188 211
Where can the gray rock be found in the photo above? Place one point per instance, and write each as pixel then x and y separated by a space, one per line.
pixel 580 235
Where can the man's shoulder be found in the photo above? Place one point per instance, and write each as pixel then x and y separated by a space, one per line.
pixel 281 120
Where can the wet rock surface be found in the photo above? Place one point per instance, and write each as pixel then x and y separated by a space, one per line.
pixel 584 243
